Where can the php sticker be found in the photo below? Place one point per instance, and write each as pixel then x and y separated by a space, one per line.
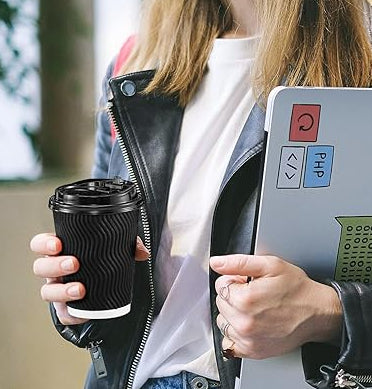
pixel 318 168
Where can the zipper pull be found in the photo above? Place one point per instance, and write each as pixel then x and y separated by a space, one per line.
pixel 97 359
pixel 348 381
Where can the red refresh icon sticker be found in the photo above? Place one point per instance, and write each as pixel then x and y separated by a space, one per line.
pixel 304 123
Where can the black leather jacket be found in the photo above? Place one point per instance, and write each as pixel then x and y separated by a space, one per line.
pixel 149 128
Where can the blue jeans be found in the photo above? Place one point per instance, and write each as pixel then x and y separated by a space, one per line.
pixel 183 380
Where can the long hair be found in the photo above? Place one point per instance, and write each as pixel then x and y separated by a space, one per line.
pixel 313 43
pixel 303 42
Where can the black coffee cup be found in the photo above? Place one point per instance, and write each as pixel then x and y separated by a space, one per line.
pixel 97 220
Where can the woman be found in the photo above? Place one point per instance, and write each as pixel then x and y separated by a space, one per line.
pixel 196 158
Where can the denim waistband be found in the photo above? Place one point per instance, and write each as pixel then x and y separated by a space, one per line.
pixel 183 380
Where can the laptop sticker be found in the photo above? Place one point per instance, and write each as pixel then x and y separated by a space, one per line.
pixel 290 168
pixel 354 258
pixel 318 167
pixel 304 123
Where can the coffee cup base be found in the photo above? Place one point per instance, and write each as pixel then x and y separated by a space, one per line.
pixel 105 314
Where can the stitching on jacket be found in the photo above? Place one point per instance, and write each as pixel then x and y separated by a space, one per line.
pixel 248 154
pixel 151 195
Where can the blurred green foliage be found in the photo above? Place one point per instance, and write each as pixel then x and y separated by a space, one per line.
pixel 8 13
pixel 14 68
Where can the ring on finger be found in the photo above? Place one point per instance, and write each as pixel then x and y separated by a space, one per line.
pixel 224 291
pixel 224 330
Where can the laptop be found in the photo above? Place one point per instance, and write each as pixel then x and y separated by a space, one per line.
pixel 315 208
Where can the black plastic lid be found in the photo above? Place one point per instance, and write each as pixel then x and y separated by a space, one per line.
pixel 96 196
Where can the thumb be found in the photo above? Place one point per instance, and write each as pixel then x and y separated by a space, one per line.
pixel 142 254
pixel 242 265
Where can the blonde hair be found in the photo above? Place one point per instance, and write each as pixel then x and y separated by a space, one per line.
pixel 313 43
pixel 303 42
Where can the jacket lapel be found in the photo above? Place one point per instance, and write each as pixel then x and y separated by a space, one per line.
pixel 249 143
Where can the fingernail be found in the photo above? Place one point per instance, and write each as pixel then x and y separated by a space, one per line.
pixel 217 261
pixel 68 264
pixel 74 291
pixel 51 245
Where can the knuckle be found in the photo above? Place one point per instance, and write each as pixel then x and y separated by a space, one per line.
pixel 65 318
pixel 245 327
pixel 217 284
pixel 42 267
pixel 245 300
pixel 275 264
pixel 36 267
pixel 254 297
pixel 219 320
pixel 220 282
pixel 269 262
pixel 241 261
pixel 44 292
pixel 218 303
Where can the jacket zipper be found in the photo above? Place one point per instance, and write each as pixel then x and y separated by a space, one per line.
pixel 147 242
pixel 97 359
pixel 349 381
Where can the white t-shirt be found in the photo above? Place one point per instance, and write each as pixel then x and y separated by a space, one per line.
pixel 181 334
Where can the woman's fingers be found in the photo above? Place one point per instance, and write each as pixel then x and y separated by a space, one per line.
pixel 57 292
pixel 64 317
pixel 53 267
pixel 50 267
pixel 46 244
pixel 49 244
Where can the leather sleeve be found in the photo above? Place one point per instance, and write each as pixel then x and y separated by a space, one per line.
pixel 79 335
pixel 356 347
pixel 354 355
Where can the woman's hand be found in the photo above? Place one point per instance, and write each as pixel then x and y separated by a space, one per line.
pixel 53 267
pixel 280 309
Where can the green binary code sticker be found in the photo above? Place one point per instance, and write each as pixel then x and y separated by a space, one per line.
pixel 354 258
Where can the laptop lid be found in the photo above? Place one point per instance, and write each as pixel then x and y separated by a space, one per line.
pixel 316 199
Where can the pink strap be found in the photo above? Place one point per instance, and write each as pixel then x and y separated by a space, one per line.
pixel 120 60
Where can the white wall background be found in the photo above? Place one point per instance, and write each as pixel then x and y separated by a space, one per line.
pixel 115 20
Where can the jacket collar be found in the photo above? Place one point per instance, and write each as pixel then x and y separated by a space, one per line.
pixel 250 142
